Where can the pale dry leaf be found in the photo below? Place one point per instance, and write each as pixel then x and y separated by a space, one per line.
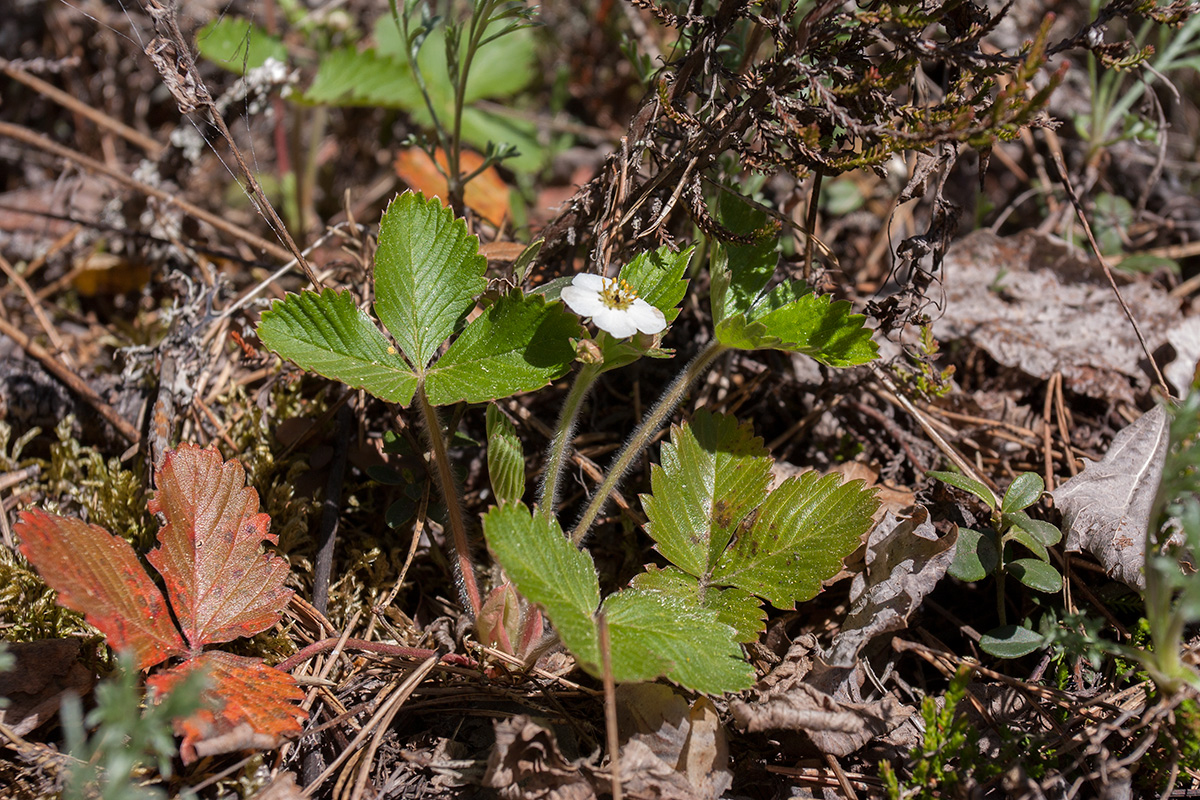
pixel 690 741
pixel 1036 304
pixel 42 672
pixel 1106 508
pixel 527 764
pixel 282 787
pixel 1185 338
pixel 835 727
pixel 905 560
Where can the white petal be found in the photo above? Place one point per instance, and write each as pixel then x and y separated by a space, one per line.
pixel 619 323
pixel 646 317
pixel 584 302
pixel 589 280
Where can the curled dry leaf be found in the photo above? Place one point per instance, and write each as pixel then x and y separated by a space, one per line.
pixel 527 764
pixel 1106 508
pixel 42 672
pixel 905 560
pixel 220 582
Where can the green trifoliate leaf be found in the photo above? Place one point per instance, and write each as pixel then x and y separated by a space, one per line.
pixel 428 272
pixel 792 318
pixel 506 462
pixel 657 277
pixel 711 476
pixel 653 633
pixel 740 272
pixel 1023 492
pixel 518 344
pixel 550 571
pixel 804 530
pixel 329 335
pixel 736 608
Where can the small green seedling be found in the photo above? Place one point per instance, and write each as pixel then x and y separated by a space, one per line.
pixel 991 551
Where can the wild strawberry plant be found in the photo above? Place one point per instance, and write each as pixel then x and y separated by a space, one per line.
pixel 220 584
pixel 731 543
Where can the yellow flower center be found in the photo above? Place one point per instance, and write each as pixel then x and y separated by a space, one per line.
pixel 617 294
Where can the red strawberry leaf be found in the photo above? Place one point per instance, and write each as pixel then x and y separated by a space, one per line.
pixel 99 575
pixel 221 583
pixel 247 705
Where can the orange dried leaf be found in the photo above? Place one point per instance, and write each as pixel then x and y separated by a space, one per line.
pixel 247 705
pixel 221 583
pixel 99 575
pixel 486 194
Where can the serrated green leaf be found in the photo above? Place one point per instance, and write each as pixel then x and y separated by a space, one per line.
pixel 657 277
pixel 352 77
pixel 428 272
pixel 975 555
pixel 653 634
pixel 739 333
pixel 1010 641
pixel 520 343
pixel 1036 574
pixel 803 531
pixel 506 462
pixel 736 608
pixel 967 485
pixel 545 567
pixel 328 334
pixel 711 476
pixel 1023 492
pixel 238 45
pixel 1045 532
pixel 814 325
pixel 740 272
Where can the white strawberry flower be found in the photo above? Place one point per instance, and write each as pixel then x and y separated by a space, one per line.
pixel 613 305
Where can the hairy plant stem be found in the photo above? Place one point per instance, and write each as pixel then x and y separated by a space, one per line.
pixel 468 587
pixel 642 436
pixel 557 454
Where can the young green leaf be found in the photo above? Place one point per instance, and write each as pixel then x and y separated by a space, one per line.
pixel 506 462
pixel 713 474
pixel 518 344
pixel 1010 641
pixel 794 319
pixel 329 335
pixel 800 536
pixel 740 272
pixel 736 608
pixel 1046 533
pixel 1023 492
pixel 428 272
pixel 655 634
pixel 550 571
pixel 967 485
pixel 1036 574
pixel 975 556
pixel 1030 542
pixel 657 277
pixel 236 44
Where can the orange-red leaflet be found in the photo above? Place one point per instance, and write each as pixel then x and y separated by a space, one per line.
pixel 220 582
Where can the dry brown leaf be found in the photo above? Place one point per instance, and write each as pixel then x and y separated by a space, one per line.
pixel 486 194
pixel 526 764
pixel 1106 508
pixel 905 560
pixel 283 787
pixel 659 726
pixel 42 672
pixel 835 727
pixel 1035 304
